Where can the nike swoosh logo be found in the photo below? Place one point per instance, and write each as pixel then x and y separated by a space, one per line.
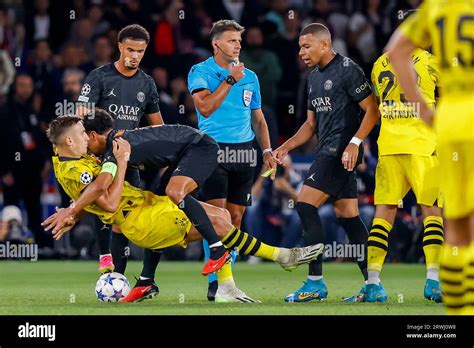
pixel 304 296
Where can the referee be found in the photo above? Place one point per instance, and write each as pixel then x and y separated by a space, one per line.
pixel 228 105
pixel 338 91
pixel 124 90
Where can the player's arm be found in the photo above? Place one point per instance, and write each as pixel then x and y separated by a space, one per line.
pixel 371 117
pixel 155 119
pixel 152 107
pixel 399 51
pixel 260 128
pixel 302 136
pixel 92 192
pixel 110 199
pixel 207 102
pixel 90 93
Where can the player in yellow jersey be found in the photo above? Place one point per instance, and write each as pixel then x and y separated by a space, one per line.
pixel 447 26
pixel 148 220
pixel 406 161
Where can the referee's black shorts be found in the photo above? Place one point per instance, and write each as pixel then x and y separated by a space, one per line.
pixel 233 178
pixel 328 175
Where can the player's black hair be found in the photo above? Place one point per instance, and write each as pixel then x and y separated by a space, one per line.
pixel 134 32
pixel 224 25
pixel 99 121
pixel 315 29
pixel 59 126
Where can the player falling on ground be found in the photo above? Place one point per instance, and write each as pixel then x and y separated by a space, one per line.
pixel 228 106
pixel 191 152
pixel 407 160
pixel 128 93
pixel 337 92
pixel 448 27
pixel 148 220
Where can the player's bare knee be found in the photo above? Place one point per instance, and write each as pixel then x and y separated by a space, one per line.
pixel 175 194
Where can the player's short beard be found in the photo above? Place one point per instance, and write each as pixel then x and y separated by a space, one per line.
pixel 128 65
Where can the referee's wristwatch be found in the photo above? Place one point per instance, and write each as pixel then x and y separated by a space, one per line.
pixel 230 80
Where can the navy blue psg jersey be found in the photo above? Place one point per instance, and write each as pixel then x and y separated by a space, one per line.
pixel 155 146
pixel 127 99
pixel 334 93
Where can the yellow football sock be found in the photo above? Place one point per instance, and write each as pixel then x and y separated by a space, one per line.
pixel 433 238
pixel 224 275
pixel 377 245
pixel 249 245
pixel 451 275
pixel 469 283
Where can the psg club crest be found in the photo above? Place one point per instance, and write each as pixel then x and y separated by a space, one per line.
pixel 247 96
pixel 141 97
pixel 328 85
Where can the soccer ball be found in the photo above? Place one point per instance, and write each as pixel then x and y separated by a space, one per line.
pixel 111 287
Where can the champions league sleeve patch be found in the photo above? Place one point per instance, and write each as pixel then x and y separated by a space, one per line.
pixel 86 178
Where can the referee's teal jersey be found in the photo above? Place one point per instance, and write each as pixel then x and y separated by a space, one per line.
pixel 232 121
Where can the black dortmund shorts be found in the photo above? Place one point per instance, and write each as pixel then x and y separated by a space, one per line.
pixel 233 177
pixel 198 161
pixel 328 175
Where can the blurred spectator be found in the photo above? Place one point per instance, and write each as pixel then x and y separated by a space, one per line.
pixel 272 217
pixel 365 28
pixel 286 47
pixel 81 34
pixel 7 74
pixel 100 25
pixel 40 68
pixel 277 14
pixel 6 32
pixel 41 20
pixel 12 228
pixel 24 163
pixel 244 12
pixel 102 54
pixel 72 83
pixel 264 63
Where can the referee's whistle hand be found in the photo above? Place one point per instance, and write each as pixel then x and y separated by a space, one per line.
pixel 237 71
pixel 349 157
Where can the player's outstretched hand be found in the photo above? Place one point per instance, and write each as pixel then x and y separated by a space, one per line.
pixel 279 154
pixel 237 71
pixel 66 228
pixel 60 219
pixel 121 149
pixel 349 157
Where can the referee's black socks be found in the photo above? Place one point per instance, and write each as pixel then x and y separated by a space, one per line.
pixel 358 235
pixel 198 216
pixel 313 233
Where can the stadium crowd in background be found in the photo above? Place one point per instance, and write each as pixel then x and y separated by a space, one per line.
pixel 48 47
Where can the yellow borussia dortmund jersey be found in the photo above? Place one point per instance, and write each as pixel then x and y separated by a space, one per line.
pixel 75 174
pixel 448 25
pixel 402 131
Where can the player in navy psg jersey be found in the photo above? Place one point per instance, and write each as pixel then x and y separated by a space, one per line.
pixel 338 93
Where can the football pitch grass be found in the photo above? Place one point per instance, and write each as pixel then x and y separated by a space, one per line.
pixel 67 288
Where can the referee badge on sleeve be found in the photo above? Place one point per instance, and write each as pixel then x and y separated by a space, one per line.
pixel 85 178
pixel 247 97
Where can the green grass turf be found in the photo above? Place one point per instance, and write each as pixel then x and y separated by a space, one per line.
pixel 67 287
